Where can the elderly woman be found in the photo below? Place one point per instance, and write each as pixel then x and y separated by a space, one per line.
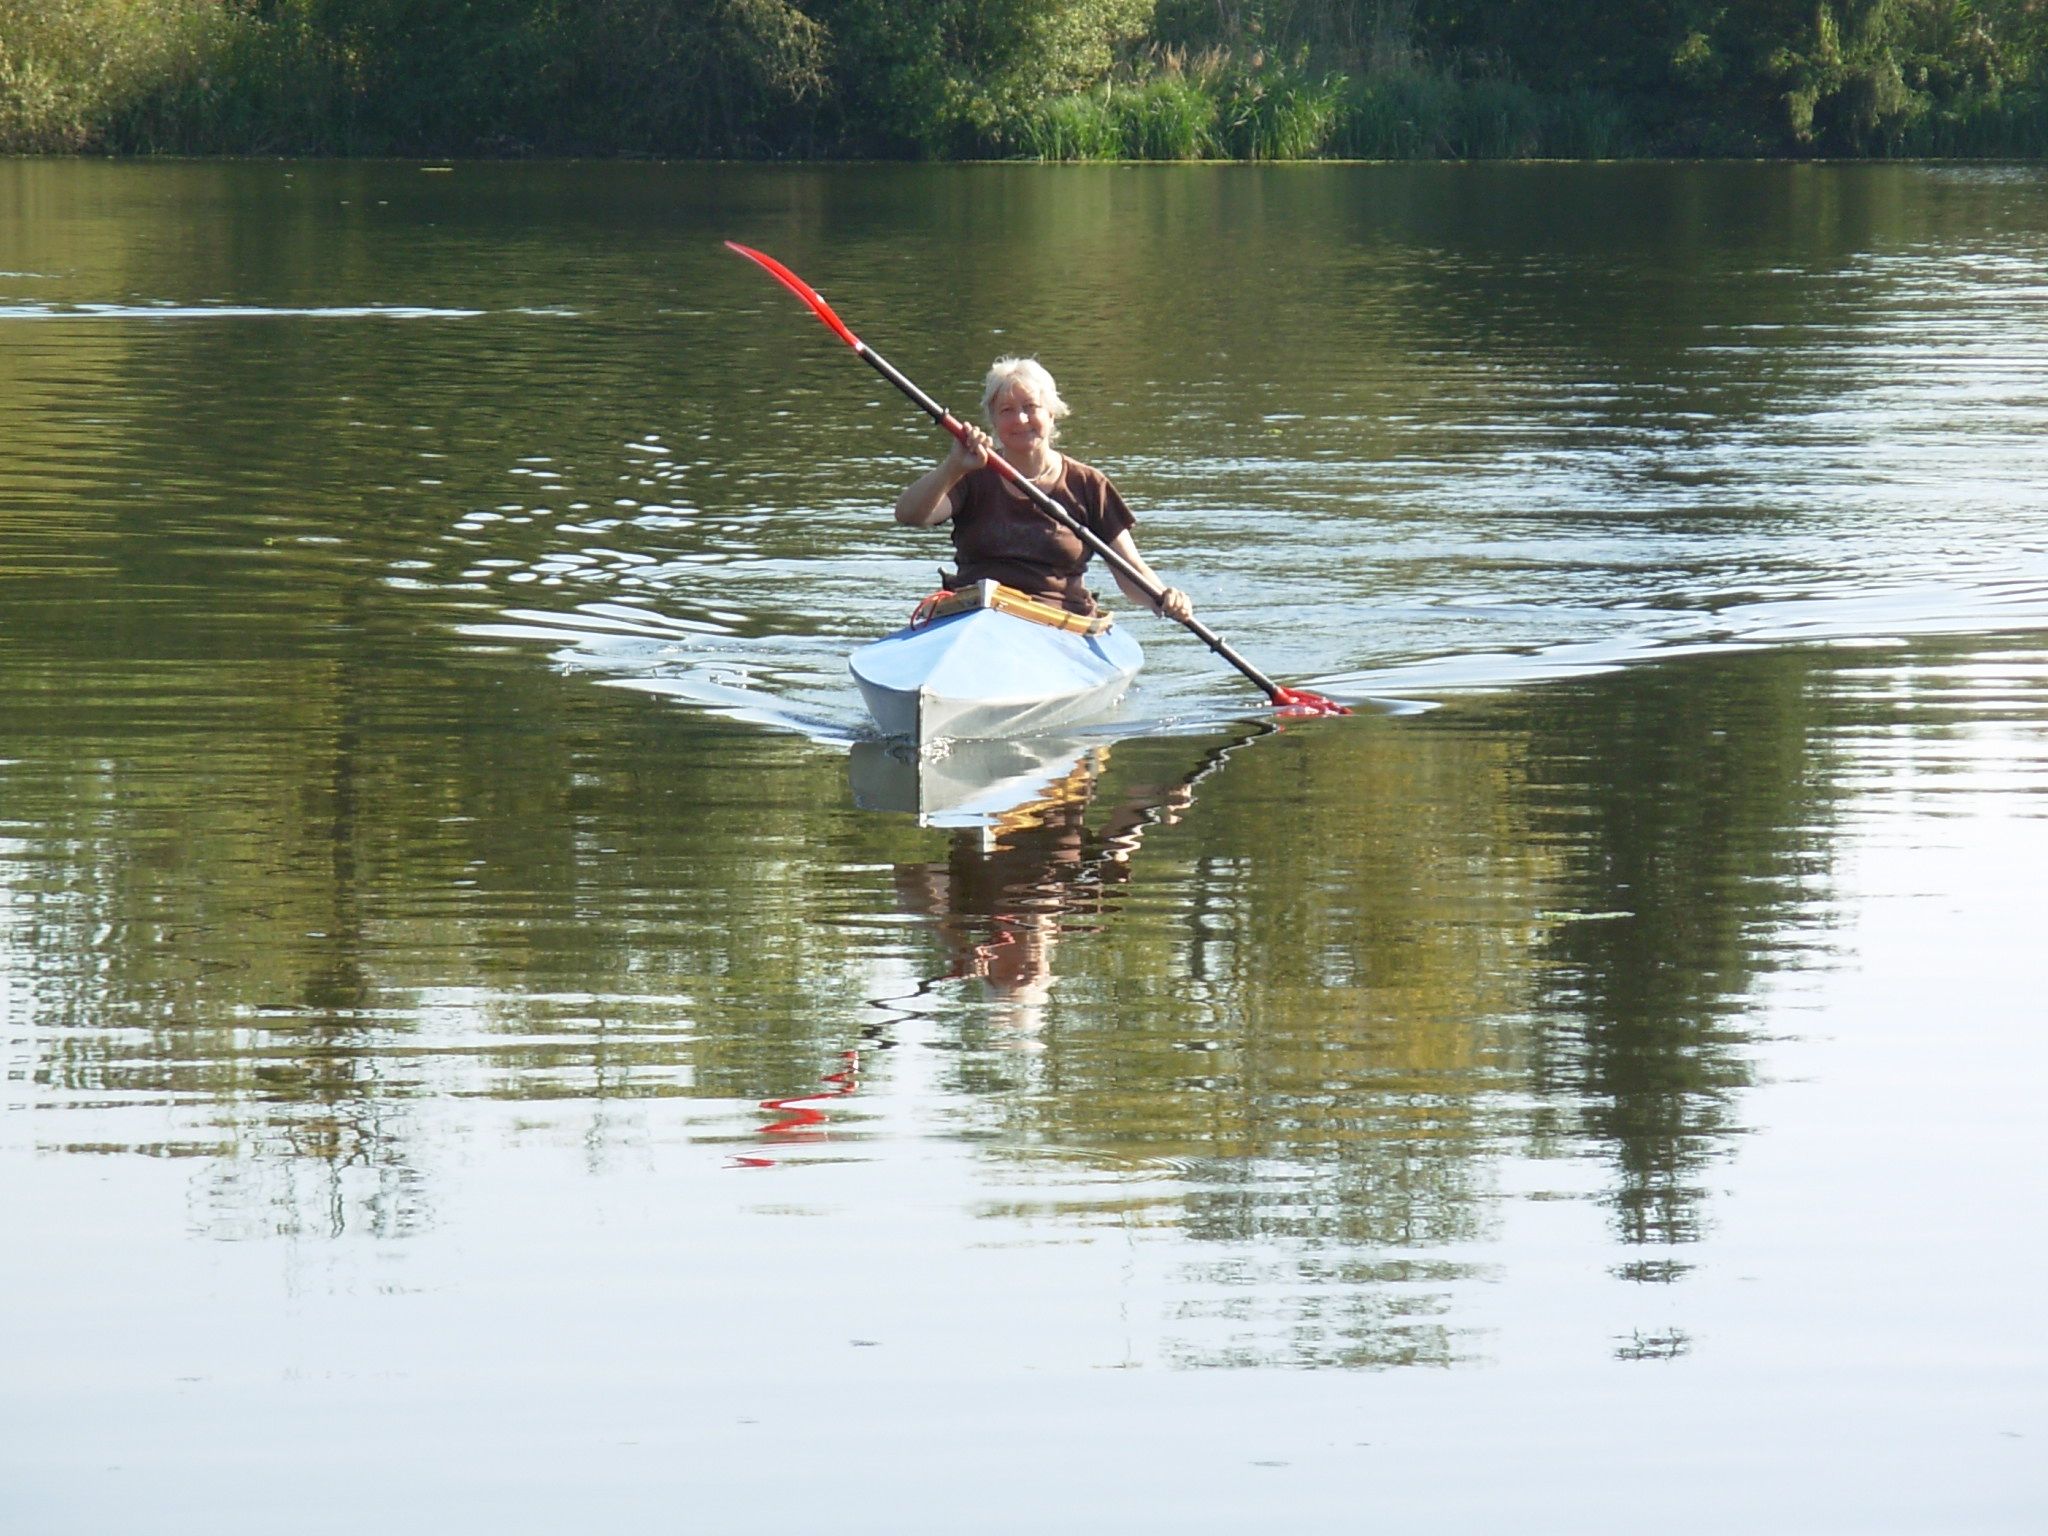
pixel 997 532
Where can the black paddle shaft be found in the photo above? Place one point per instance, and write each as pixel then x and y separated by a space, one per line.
pixel 1067 520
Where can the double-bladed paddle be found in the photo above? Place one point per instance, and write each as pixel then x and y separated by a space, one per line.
pixel 1292 701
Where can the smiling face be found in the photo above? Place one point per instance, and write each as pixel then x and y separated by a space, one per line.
pixel 1022 421
pixel 1023 406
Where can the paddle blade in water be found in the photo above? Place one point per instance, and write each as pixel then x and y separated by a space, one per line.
pixel 1300 704
pixel 800 288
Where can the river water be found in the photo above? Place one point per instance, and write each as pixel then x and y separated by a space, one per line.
pixel 490 1044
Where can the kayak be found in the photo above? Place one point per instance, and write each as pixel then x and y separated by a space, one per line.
pixel 988 663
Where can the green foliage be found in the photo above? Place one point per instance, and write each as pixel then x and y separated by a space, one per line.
pixel 1168 117
pixel 1589 125
pixel 1048 79
pixel 732 77
pixel 1838 76
pixel 1213 107
pixel 1766 76
pixel 1084 127
pixel 85 74
pixel 2012 124
pixel 1496 119
pixel 937 77
pixel 1164 118
pixel 1416 114
pixel 397 76
pixel 1272 112
pixel 1977 74
pixel 1352 34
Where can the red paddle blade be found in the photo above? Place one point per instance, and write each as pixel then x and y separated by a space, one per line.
pixel 799 287
pixel 1300 704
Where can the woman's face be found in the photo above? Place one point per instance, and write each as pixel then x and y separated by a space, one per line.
pixel 1023 425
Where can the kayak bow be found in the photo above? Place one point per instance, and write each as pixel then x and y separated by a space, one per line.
pixel 981 670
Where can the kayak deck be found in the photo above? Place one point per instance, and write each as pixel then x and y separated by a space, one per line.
pixel 985 672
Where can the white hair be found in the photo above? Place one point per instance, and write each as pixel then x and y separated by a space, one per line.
pixel 1006 371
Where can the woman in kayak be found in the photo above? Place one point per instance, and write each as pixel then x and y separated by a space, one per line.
pixel 998 532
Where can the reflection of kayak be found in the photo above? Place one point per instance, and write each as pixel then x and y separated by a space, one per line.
pixel 972 783
pixel 990 663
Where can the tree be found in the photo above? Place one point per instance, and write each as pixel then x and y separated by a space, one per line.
pixel 939 76
pixel 1752 76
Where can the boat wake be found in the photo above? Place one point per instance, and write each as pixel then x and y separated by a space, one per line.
pixel 799 683
pixel 171 311
pixel 661 595
pixel 1892 616
pixel 779 683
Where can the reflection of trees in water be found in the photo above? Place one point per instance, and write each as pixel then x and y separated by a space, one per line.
pixel 1320 995
pixel 331 1149
pixel 199 947
pixel 1694 809
pixel 331 1156
pixel 1284 1024
pixel 1319 1262
pixel 292 1109
pixel 343 1117
pixel 1378 958
pixel 298 948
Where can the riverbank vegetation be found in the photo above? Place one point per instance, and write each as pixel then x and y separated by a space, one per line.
pixel 1043 79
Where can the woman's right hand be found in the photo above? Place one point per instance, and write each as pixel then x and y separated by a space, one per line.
pixel 971 449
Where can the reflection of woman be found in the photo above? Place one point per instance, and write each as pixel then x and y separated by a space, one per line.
pixel 997 532
pixel 1002 904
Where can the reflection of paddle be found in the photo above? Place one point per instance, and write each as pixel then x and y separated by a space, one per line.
pixel 1291 701
pixel 799 1122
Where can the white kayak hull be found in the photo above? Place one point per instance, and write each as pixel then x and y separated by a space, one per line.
pixel 988 675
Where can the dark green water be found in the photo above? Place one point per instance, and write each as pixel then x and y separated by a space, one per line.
pixel 487 1046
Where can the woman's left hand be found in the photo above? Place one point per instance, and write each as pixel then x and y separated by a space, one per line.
pixel 1176 604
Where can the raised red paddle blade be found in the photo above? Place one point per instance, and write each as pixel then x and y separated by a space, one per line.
pixel 1301 704
pixel 800 288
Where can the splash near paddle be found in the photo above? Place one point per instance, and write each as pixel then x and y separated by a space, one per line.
pixel 1297 703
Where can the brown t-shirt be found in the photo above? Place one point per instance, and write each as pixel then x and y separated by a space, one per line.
pixel 1006 538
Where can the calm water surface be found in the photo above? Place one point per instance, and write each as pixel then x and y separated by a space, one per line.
pixel 490 1045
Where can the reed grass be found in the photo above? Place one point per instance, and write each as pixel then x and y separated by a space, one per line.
pixel 1399 115
pixel 1167 118
pixel 1276 114
pixel 1267 113
pixel 1085 127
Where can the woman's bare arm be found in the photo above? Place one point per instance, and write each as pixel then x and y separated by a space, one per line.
pixel 1177 604
pixel 927 502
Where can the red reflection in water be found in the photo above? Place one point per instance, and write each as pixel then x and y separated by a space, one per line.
pixel 800 1122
